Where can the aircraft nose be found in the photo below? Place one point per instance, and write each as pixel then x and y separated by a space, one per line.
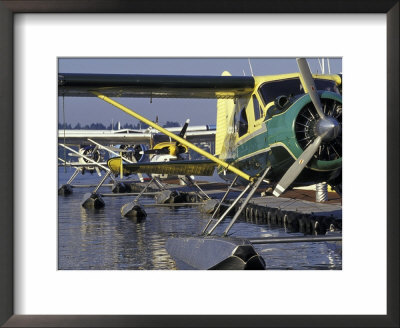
pixel 328 128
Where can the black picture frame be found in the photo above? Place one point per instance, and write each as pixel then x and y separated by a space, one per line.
pixel 10 7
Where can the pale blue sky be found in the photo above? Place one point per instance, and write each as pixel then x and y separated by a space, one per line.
pixel 93 110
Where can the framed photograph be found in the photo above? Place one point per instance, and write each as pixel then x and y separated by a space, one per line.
pixel 39 37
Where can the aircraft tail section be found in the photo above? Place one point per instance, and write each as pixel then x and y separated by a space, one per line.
pixel 224 132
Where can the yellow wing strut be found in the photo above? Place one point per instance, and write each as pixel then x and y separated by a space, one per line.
pixel 174 136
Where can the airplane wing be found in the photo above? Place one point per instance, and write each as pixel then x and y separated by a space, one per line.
pixel 198 167
pixel 80 137
pixel 195 134
pixel 154 86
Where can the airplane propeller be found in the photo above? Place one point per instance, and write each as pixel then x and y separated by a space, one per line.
pixel 310 84
pixel 296 168
pixel 183 131
pixel 327 128
pixel 166 151
pixel 92 154
pixel 162 151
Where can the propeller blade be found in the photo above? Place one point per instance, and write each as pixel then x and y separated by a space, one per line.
pixel 74 155
pixel 183 131
pixel 148 151
pixel 98 171
pixel 155 151
pixel 310 85
pixel 297 167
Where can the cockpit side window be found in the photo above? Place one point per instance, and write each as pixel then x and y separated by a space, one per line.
pixel 288 87
pixel 257 108
pixel 292 87
pixel 243 123
pixel 326 85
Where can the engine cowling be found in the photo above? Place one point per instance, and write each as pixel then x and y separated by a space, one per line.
pixel 94 154
pixel 307 128
pixel 136 152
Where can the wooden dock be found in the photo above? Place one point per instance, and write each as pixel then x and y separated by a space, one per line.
pixel 295 210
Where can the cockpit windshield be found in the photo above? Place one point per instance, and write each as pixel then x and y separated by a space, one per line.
pixel 292 87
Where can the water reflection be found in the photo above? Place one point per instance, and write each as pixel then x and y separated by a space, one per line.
pixel 102 240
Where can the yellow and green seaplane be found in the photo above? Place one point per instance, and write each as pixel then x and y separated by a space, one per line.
pixel 285 130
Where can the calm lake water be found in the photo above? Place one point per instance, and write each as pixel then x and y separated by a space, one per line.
pixel 103 240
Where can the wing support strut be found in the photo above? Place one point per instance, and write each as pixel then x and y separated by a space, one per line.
pixel 143 191
pixel 219 205
pixel 77 171
pixel 254 185
pixel 93 199
pixel 101 182
pixel 224 164
pixel 190 182
pixel 243 205
pixel 66 189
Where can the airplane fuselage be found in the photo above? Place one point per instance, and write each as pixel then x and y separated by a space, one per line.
pixel 278 135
